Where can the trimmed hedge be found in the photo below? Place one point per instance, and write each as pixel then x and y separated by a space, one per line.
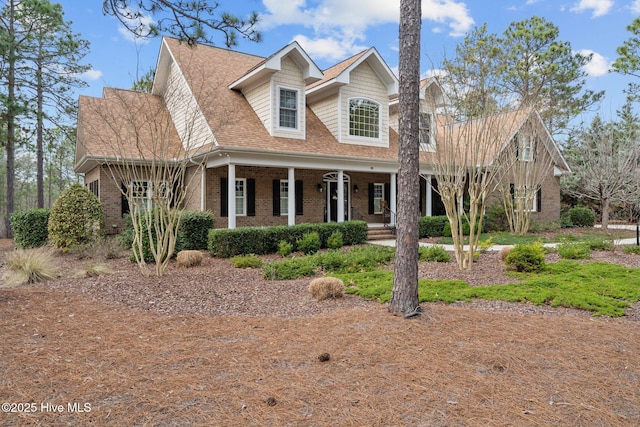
pixel 226 243
pixel 432 226
pixel 30 227
pixel 194 230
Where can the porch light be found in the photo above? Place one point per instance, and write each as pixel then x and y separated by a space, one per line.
pixel 319 188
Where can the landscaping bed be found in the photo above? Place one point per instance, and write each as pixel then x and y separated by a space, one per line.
pixel 218 345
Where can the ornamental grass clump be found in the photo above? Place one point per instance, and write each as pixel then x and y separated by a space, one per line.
pixel 326 287
pixel 29 266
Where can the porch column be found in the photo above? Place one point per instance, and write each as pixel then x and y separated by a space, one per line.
pixel 291 199
pixel 340 196
pixel 231 197
pixel 393 205
pixel 429 201
pixel 203 186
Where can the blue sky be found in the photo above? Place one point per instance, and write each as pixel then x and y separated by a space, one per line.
pixel 332 30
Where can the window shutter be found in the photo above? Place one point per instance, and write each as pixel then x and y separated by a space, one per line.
pixel 224 197
pixel 512 191
pixel 371 208
pixel 422 186
pixel 124 203
pixel 251 197
pixel 539 200
pixel 387 193
pixel 276 197
pixel 299 200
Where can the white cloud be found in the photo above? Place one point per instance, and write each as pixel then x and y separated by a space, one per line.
pixel 598 66
pixel 599 7
pixel 90 75
pixel 339 25
pixel 143 22
pixel 635 7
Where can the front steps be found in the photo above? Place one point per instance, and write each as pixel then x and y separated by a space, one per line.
pixel 382 233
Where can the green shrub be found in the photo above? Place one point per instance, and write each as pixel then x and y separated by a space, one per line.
pixel 360 258
pixel 582 216
pixel 631 249
pixel 102 248
pixel 565 220
pixel 309 244
pixel 574 250
pixel 194 230
pixel 29 266
pixel 433 253
pixel 284 248
pixel 432 226
pixel 538 226
pixel 495 219
pixel 247 261
pixel 335 240
pixel 526 258
pixel 30 227
pixel 600 244
pixel 76 217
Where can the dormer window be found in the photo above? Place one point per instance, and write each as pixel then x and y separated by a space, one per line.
pixel 288 109
pixel 425 130
pixel 364 118
pixel 524 147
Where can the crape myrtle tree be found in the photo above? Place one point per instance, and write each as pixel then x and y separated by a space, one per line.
pixel 190 20
pixel 404 296
pixel 604 159
pixel 531 163
pixel 467 168
pixel 151 156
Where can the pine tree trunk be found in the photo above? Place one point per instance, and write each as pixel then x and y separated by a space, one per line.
pixel 404 297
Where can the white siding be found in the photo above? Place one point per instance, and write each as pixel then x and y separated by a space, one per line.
pixel 327 111
pixel 187 117
pixel 258 98
pixel 289 77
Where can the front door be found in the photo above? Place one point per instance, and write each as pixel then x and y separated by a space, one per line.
pixel 332 201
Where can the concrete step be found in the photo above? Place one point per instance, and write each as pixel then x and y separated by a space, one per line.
pixel 381 233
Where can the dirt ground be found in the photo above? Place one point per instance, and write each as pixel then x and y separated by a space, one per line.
pixel 213 345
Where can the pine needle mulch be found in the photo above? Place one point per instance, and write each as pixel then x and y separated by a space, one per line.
pixel 450 366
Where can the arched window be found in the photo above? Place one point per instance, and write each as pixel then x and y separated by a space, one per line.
pixel 364 118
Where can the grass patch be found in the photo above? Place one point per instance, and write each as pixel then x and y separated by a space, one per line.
pixel 604 289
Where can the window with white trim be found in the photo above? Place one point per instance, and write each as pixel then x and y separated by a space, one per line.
pixel 143 194
pixel 288 109
pixel 364 118
pixel 524 147
pixel 241 196
pixel 378 197
pixel 284 197
pixel 425 130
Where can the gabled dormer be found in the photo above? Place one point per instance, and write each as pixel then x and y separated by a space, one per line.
pixel 352 99
pixel 275 89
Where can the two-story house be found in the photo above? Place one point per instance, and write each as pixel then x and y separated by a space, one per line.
pixel 271 141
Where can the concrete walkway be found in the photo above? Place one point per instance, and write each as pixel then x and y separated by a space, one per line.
pixel 497 248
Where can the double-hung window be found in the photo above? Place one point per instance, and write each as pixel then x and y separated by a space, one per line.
pixel 288 109
pixel 284 197
pixel 378 197
pixel 425 130
pixel 364 118
pixel 146 194
pixel 241 196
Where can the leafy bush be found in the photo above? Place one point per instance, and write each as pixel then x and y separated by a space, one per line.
pixel 263 240
pixel 30 227
pixel 582 216
pixel 247 261
pixel 194 230
pixel 335 240
pixel 433 253
pixel 574 250
pixel 565 220
pixel 526 258
pixel 495 219
pixel 631 249
pixel 29 266
pixel 309 244
pixel 76 217
pixel 432 226
pixel 284 248
pixel 538 226
pixel 601 244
